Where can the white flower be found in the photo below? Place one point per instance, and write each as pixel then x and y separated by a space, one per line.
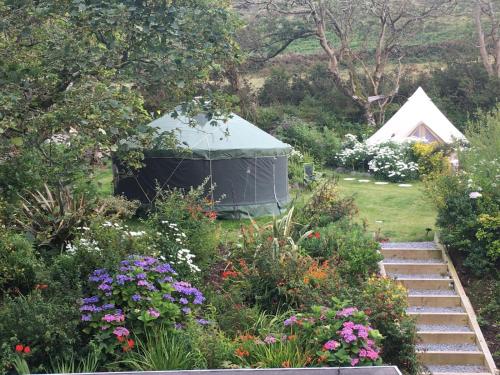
pixel 475 195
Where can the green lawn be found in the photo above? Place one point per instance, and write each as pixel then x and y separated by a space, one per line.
pixel 401 213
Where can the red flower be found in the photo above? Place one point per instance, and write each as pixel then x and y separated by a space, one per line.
pixel 41 286
pixel 317 235
pixel 310 235
pixel 19 348
pixel 27 350
pixel 130 345
pixel 229 273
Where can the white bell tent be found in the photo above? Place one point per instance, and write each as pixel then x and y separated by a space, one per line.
pixel 417 118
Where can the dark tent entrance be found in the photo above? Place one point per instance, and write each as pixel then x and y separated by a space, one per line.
pixel 242 187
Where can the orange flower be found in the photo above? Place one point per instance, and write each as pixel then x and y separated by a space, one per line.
pixel 247 337
pixel 129 346
pixel 229 273
pixel 41 286
pixel 240 352
pixel 292 337
pixel 286 364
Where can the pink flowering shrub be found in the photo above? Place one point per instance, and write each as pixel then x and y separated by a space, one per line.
pixel 338 337
pixel 140 293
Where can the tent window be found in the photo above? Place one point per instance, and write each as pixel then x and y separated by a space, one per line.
pixel 423 132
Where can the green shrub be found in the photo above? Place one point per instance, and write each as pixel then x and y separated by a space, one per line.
pixel 276 88
pixel 296 162
pixel 326 206
pixel 18 263
pixel 48 327
pixel 321 143
pixel 349 247
pixel 189 212
pixel 386 301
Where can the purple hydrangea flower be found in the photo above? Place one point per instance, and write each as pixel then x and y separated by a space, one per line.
pixel 86 318
pixel 168 297
pixel 108 306
pixel 92 299
pixel 186 310
pixel 183 301
pixel 164 268
pixel 202 322
pixel 141 276
pixel 290 321
pixel 136 297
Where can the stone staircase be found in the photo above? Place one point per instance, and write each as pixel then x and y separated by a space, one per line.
pixel 450 341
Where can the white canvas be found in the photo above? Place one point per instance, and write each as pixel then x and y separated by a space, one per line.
pixel 418 110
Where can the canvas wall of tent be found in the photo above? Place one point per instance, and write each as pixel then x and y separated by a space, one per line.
pixel 247 166
pixel 419 118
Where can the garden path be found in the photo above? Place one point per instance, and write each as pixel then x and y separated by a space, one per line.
pixel 450 340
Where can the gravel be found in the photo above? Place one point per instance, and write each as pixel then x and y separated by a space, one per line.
pixel 408 245
pixel 432 292
pixel 423 261
pixel 455 369
pixel 442 328
pixel 418 276
pixel 447 347
pixel 426 309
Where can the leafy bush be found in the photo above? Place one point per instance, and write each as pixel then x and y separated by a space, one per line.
pixel 18 263
pixel 190 212
pixel 348 247
pixel 337 337
pixel 51 216
pixel 296 162
pixel 430 157
pixel 468 201
pixel 387 161
pixel 276 88
pixel 48 327
pixel 138 294
pixel 321 143
pixel 386 301
pixel 327 205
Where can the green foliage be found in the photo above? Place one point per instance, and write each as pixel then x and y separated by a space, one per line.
pixel 186 221
pixel 50 217
pixel 349 247
pixel 338 336
pixel 296 162
pixel 49 327
pixel 18 263
pixel 162 349
pixel 386 301
pixel 276 88
pixel 320 143
pixel 468 201
pixel 430 157
pixel 87 364
pixel 327 205
pixel 79 76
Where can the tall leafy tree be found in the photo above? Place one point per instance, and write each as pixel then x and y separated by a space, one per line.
pixel 77 76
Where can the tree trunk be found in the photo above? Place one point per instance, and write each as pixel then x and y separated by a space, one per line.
pixel 481 40
pixel 369 115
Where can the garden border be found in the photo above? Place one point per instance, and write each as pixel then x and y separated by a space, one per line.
pixel 488 359
pixel 369 370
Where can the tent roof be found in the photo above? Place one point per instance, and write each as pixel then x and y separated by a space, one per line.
pixel 235 138
pixel 418 110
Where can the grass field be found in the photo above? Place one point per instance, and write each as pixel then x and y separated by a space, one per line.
pixel 401 213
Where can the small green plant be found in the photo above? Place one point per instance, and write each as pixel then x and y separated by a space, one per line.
pixel 87 364
pixel 21 366
pixel 161 349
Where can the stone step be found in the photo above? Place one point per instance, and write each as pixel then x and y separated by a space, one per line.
pixel 453 357
pixel 416 268
pixel 408 245
pixel 427 284
pixel 443 328
pixel 412 253
pixel 462 370
pixel 447 337
pixel 434 300
pixel 437 318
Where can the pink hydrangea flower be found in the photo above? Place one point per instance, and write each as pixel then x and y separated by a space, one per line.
pixel 331 345
pixel 354 361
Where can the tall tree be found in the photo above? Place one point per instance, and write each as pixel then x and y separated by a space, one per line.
pixel 79 75
pixel 487 20
pixel 360 39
